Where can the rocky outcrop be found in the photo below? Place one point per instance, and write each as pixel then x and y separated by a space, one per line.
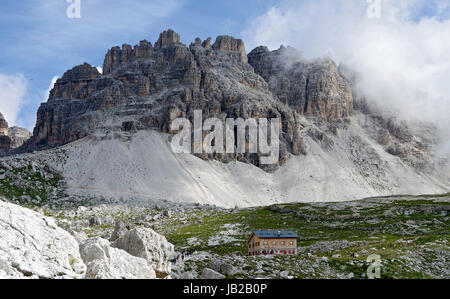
pixel 3 126
pixel 313 88
pixel 228 43
pixel 167 39
pixel 5 140
pixel 18 136
pixel 149 245
pixel 105 262
pixel 11 138
pixel 77 83
pixel 33 246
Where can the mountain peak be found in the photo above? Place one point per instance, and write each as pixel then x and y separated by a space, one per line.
pixel 229 43
pixel 5 141
pixel 167 39
pixel 3 126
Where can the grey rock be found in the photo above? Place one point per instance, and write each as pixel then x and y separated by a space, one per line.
pixel 105 262
pixel 33 246
pixel 166 81
pixel 18 136
pixel 216 265
pixel 119 231
pixel 95 221
pixel 147 244
pixel 107 220
pixel 304 85
pixel 211 274
pixel 228 269
pixel 188 275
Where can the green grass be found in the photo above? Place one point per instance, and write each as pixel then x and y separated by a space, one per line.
pixel 23 182
pixel 371 232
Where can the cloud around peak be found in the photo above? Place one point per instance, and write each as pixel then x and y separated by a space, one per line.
pixel 401 58
pixel 12 93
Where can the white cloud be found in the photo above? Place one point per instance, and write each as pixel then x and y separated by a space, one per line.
pixel 12 92
pixel 402 58
pixel 50 87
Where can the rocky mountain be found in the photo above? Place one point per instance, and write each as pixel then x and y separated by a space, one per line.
pixel 11 138
pixel 313 88
pixel 5 141
pixel 146 87
pixel 18 136
pixel 109 133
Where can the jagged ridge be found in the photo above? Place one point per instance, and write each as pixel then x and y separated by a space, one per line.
pixel 147 86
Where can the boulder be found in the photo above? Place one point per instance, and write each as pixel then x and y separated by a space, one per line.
pixel 211 274
pixel 188 275
pixel 119 231
pixel 33 246
pixel 107 220
pixel 147 244
pixel 106 262
pixel 95 221
pixel 80 237
pixel 228 269
pixel 216 265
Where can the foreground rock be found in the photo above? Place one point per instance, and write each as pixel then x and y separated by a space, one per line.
pixel 147 244
pixel 105 262
pixel 33 246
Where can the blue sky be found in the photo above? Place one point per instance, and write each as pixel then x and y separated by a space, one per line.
pixel 38 41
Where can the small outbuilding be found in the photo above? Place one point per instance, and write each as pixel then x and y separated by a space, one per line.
pixel 272 242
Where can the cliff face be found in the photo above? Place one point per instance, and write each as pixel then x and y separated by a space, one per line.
pixel 146 87
pixel 11 138
pixel 18 136
pixel 314 88
pixel 5 141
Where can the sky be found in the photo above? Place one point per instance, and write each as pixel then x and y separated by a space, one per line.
pixel 400 47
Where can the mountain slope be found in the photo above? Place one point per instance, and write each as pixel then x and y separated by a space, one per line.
pixel 142 169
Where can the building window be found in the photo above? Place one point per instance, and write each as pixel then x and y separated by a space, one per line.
pixel 282 243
